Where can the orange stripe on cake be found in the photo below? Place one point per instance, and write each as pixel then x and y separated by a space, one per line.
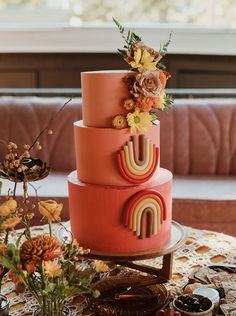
pixel 137 165
pixel 145 213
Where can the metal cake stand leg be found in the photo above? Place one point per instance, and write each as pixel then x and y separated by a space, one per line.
pixel 164 272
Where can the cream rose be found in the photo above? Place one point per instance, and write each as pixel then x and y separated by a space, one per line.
pixel 50 209
pixel 7 207
pixel 148 83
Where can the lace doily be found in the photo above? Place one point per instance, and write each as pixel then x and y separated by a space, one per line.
pixel 201 248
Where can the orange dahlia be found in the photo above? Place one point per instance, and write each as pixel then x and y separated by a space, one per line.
pixel 145 103
pixel 38 249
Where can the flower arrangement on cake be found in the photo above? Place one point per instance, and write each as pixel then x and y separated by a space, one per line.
pixel 146 83
pixel 50 269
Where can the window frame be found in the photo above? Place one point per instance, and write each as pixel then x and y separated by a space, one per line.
pixel 89 38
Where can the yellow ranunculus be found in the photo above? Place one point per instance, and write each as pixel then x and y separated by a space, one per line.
pixel 143 60
pixel 52 269
pixel 10 222
pixel 50 209
pixel 139 121
pixel 7 207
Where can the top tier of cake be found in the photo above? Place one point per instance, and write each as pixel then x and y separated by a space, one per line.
pixel 103 93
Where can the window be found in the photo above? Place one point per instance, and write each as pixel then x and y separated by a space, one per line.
pixel 199 26
pixel 200 13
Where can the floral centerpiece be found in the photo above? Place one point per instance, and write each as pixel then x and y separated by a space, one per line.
pixel 146 83
pixel 51 270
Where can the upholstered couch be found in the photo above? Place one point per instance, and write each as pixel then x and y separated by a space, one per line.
pixel 198 144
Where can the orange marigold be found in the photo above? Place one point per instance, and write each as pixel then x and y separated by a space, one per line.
pixel 129 104
pixel 119 121
pixel 38 249
pixel 145 103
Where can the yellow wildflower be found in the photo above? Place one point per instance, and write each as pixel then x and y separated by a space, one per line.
pixel 143 60
pixel 52 269
pixel 100 266
pixel 10 222
pixel 7 207
pixel 139 121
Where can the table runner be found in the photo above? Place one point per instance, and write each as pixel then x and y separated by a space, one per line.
pixel 201 248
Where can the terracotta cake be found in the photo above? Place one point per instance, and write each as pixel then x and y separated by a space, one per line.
pixel 120 199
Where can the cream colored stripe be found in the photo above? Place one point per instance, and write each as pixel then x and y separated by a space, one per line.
pixel 129 166
pixel 138 219
pixel 145 203
pixel 147 155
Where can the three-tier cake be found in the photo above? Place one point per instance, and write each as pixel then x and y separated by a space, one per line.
pixel 120 199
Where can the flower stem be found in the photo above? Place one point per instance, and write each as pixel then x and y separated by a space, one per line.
pixel 50 227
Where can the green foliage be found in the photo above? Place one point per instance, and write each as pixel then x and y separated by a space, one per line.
pixel 164 47
pixel 130 39
pixel 168 102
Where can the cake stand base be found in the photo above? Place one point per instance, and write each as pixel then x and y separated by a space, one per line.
pixel 178 236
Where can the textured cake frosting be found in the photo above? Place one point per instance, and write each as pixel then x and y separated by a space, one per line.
pixel 120 199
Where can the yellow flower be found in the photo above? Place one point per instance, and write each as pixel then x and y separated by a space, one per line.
pixel 139 121
pixel 143 60
pixel 50 209
pixel 52 269
pixel 10 222
pixel 7 207
pixel 100 266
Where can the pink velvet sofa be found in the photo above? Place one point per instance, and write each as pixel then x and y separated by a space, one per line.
pixel 198 144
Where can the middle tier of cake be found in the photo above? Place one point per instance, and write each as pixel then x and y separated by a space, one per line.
pixel 110 156
pixel 122 220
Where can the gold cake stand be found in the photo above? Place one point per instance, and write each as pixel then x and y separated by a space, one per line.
pixel 178 236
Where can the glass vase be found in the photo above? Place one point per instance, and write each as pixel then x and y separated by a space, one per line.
pixel 50 312
pixel 4 305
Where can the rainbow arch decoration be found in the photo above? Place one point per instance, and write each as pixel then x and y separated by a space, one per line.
pixel 138 159
pixel 145 213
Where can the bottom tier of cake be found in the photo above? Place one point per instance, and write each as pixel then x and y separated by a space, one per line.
pixel 121 220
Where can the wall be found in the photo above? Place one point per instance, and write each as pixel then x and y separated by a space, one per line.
pixel 63 70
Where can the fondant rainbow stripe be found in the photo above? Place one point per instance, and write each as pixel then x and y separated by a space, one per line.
pixel 138 159
pixel 145 213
